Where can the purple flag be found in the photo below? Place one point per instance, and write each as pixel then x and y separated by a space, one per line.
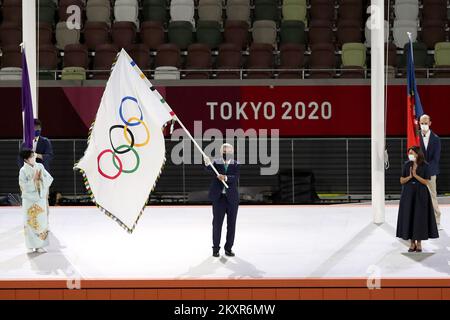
pixel 27 106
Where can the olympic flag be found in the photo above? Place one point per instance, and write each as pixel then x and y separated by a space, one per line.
pixel 126 150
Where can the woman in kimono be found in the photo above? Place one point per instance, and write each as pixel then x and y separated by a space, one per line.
pixel 34 183
pixel 416 220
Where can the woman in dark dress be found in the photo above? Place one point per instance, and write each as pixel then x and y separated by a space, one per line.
pixel 416 220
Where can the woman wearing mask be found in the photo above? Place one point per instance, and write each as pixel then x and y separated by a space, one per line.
pixel 416 220
pixel 34 183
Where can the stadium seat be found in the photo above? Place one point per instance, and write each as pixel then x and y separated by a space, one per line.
pixel 391 61
pixel 152 34
pixel 351 10
pixel 442 59
pixel 322 57
pixel 12 11
pixel 181 33
pixel 73 73
pixel 265 31
pixel 236 32
pixel 291 57
pixel 10 34
pixel 48 60
pixel 294 10
pixel 320 31
pixel 353 60
pixel 47 10
pixel 368 33
pixel 10 74
pixel 238 10
pixel 420 59
pixel 140 53
pixel 266 10
pixel 155 10
pixel 261 57
pixel 434 10
pixel 65 36
pixel 76 55
pixel 123 33
pixel 99 11
pixel 168 55
pixel 182 10
pixel 406 10
pixel 208 32
pixel 105 54
pixel 229 58
pixel 95 33
pixel 11 57
pixel 433 31
pixel 210 10
pixel 292 32
pixel 400 29
pixel 322 10
pixel 127 10
pixel 166 73
pixel 348 31
pixel 45 33
pixel 198 57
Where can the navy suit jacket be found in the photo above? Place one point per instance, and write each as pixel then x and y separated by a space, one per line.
pixel 432 153
pixel 216 187
pixel 44 147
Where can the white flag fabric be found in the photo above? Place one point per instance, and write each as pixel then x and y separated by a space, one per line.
pixel 126 149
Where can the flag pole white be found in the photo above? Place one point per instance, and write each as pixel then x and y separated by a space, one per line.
pixel 29 42
pixel 377 110
pixel 186 131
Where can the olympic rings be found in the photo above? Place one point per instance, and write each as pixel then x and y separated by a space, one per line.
pixel 138 161
pixel 121 113
pixel 129 137
pixel 120 168
pixel 130 142
pixel 125 131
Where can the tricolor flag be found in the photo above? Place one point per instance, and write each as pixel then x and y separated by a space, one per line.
pixel 27 106
pixel 414 106
pixel 126 150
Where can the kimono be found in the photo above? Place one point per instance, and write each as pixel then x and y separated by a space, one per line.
pixel 35 205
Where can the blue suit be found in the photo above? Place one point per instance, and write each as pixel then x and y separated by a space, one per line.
pixel 432 153
pixel 44 147
pixel 224 202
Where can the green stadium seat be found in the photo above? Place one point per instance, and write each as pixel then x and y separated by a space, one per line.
pixel 292 31
pixel 181 33
pixel 208 32
pixel 73 73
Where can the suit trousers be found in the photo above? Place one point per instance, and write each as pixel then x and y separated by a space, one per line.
pixel 221 207
pixel 433 193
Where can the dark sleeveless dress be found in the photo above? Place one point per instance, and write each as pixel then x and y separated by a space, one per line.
pixel 416 218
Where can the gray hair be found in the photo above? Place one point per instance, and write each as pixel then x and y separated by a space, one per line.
pixel 226 145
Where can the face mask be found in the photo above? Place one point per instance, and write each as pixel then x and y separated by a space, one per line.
pixel 424 127
pixel 37 133
pixel 227 156
pixel 412 157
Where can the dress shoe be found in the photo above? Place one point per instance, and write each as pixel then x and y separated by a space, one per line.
pixel 216 254
pixel 229 253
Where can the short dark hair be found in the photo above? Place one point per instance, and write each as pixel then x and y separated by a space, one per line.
pixel 419 152
pixel 26 154
pixel 37 122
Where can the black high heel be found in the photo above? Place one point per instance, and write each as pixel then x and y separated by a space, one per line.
pixel 412 249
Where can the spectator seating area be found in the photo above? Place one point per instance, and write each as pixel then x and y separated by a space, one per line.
pixel 229 39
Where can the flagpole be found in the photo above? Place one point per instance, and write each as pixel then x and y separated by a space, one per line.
pixel 377 110
pixel 175 117
pixel 29 42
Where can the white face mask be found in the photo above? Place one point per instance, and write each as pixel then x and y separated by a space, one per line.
pixel 424 127
pixel 412 157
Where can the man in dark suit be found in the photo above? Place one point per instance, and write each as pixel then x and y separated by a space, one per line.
pixel 224 200
pixel 41 146
pixel 431 147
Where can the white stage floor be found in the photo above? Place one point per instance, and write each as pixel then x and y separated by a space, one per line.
pixel 175 243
